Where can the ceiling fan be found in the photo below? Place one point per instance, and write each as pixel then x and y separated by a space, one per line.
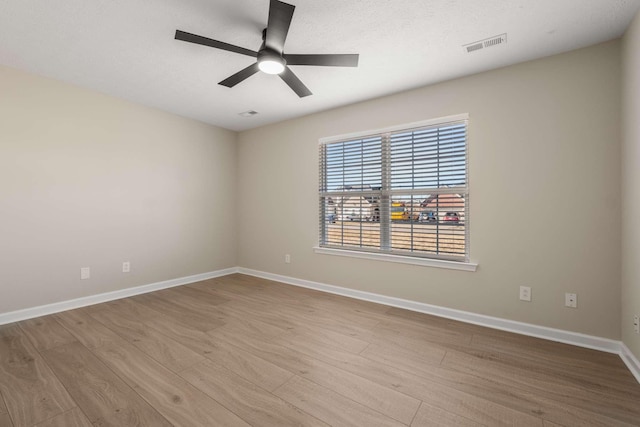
pixel 271 58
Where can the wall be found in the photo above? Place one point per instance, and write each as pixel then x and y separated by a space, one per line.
pixel 631 185
pixel 90 180
pixel 543 148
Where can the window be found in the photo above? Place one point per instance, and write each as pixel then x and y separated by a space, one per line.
pixel 399 191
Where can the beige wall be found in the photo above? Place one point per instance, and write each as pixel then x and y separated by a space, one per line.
pixel 631 185
pixel 89 180
pixel 544 144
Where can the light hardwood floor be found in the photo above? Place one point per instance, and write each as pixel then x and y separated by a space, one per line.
pixel 241 351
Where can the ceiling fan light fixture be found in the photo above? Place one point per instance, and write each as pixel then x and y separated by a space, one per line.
pixel 271 63
pixel 271 67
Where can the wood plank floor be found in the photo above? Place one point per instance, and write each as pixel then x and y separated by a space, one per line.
pixel 241 351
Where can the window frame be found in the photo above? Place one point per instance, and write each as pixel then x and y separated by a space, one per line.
pixel 383 251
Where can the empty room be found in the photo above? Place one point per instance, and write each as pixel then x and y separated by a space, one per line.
pixel 319 213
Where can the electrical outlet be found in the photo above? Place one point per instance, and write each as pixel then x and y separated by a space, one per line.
pixel 287 259
pixel 126 267
pixel 525 293
pixel 571 300
pixel 636 323
pixel 85 273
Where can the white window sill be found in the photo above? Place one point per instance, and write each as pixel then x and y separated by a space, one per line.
pixel 426 262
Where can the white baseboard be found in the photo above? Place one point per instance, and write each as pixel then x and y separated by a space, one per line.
pixel 558 335
pixel 630 360
pixel 43 310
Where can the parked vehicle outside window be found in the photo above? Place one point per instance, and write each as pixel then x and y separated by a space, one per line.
pixel 427 216
pixel 451 217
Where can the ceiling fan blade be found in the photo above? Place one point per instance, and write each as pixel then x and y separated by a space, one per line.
pixel 193 38
pixel 340 60
pixel 280 15
pixel 240 76
pixel 294 83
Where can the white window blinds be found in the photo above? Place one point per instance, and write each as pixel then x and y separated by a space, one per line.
pixel 400 191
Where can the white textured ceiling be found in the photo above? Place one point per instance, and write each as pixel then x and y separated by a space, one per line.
pixel 126 48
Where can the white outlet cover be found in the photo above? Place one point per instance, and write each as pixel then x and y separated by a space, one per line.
pixel 525 293
pixel 571 300
pixel 85 273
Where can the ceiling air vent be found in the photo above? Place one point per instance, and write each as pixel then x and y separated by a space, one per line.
pixel 483 44
pixel 249 113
